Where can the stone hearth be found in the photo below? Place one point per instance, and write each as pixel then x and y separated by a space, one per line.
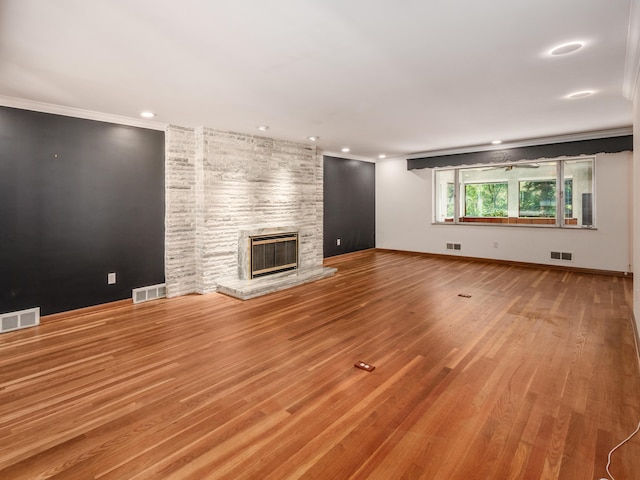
pixel 246 289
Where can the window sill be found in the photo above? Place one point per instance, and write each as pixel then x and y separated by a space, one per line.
pixel 515 222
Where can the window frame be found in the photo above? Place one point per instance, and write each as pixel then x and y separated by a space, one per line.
pixel 560 179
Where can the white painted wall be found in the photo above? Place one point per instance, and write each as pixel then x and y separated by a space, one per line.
pixel 631 83
pixel 404 221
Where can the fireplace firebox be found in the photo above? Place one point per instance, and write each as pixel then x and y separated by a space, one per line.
pixel 273 253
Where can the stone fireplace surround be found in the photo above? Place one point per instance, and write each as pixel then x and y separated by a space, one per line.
pixel 244 247
pixel 221 185
pixel 244 287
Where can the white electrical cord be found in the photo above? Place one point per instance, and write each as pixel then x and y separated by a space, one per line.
pixel 615 448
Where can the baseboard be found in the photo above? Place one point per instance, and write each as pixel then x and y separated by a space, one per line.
pixel 636 337
pixel 86 310
pixel 350 253
pixel 564 268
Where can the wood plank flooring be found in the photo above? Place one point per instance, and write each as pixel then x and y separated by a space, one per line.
pixel 535 376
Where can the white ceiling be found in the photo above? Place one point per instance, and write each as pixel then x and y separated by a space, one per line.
pixel 375 75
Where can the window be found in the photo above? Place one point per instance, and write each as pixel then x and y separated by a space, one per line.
pixel 517 193
pixel 451 199
pixel 538 198
pixel 580 196
pixel 485 199
pixel 445 196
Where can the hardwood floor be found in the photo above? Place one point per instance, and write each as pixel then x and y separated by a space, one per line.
pixel 535 376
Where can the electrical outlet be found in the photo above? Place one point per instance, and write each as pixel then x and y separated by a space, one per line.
pixel 496 244
pixel 111 278
pixel 338 242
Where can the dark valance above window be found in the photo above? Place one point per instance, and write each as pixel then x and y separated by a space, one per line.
pixel 534 152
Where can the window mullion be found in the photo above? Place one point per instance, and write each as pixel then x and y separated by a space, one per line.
pixel 456 196
pixel 560 194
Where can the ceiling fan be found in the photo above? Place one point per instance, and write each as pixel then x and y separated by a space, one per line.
pixel 508 168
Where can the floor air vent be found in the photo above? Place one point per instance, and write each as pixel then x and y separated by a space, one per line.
pixel 17 320
pixel 144 294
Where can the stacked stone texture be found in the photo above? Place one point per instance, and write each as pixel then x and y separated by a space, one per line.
pixel 234 182
pixel 180 211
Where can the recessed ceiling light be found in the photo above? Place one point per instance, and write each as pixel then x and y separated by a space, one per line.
pixel 496 142
pixel 263 128
pixel 566 48
pixel 382 155
pixel 580 94
pixel 313 138
pixel 345 149
pixel 147 114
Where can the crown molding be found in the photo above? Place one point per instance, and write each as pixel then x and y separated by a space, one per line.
pixel 632 61
pixel 32 105
pixel 573 137
pixel 348 156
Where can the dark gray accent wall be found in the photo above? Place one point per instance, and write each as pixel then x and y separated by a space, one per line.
pixel 552 150
pixel 78 199
pixel 349 205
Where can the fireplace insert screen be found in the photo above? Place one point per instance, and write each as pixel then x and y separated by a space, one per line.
pixel 273 253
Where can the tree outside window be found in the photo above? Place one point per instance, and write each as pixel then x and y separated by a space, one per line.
pixel 538 198
pixel 486 199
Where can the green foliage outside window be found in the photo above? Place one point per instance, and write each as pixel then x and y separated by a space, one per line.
pixel 538 198
pixel 568 198
pixel 486 199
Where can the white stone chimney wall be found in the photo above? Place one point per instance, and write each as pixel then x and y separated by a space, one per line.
pixel 220 183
